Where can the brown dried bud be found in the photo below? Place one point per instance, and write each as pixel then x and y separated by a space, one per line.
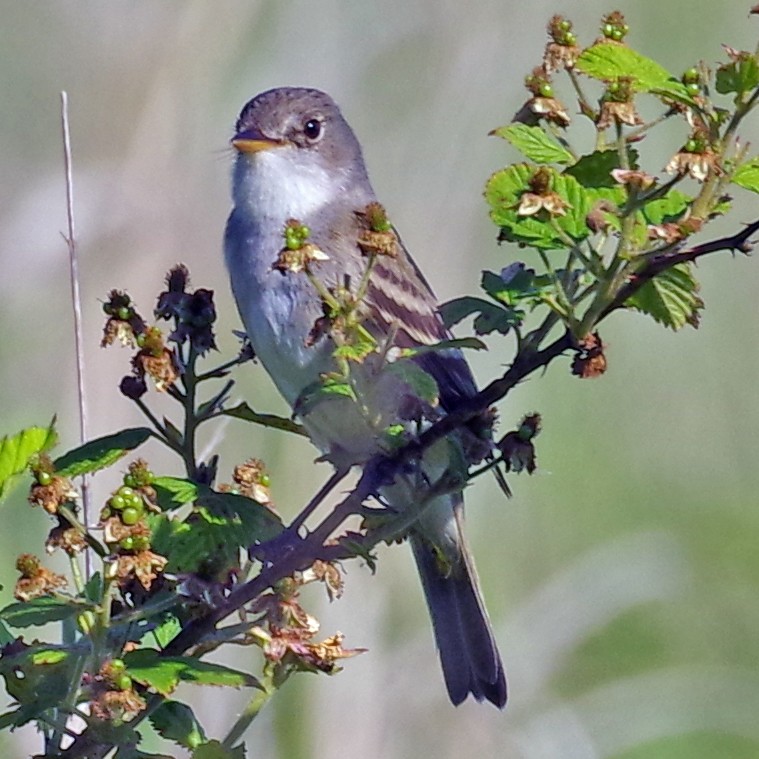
pixel 589 361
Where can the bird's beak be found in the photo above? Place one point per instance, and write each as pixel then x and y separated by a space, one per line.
pixel 252 141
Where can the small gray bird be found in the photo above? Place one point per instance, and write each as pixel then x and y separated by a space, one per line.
pixel 299 160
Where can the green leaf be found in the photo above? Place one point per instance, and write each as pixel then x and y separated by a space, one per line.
pixel 608 62
pixel 44 656
pixel 167 630
pixel 420 383
pixel 747 175
pixel 670 298
pixel 245 412
pixel 458 343
pixel 100 453
pixel 504 191
pixel 213 534
pixel 216 750
pixel 491 317
pixel 173 492
pixel 163 674
pixel 40 611
pixel 594 170
pixel 321 391
pixel 16 452
pixel 740 76
pixel 6 636
pixel 176 722
pixel 535 143
pixel 668 208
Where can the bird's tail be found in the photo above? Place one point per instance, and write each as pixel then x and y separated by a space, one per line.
pixel 468 651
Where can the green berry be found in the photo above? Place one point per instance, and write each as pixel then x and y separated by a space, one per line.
pixel 691 146
pixel 130 515
pixel 546 90
pixel 127 543
pixel 608 30
pixel 694 88
pixel 124 313
pixel 565 25
pixel 265 480
pixel 130 480
pixel 304 232
pixel 123 682
pixel 117 502
pixel 570 39
pixel 135 501
pixel 117 665
pixel 617 35
pixel 140 542
pixel 125 491
pixel 44 478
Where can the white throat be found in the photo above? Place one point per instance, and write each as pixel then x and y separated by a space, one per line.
pixel 274 184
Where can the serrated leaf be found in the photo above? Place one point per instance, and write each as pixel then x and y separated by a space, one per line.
pixel 100 453
pixel 6 636
pixel 504 191
pixel 458 309
pixel 40 611
pixel 245 412
pixel 608 62
pixel 669 208
pixel 173 492
pixel 323 391
pixel 163 674
pixel 420 383
pixel 238 513
pixel 216 750
pixel 747 175
pixel 167 630
pixel 594 170
pixel 535 144
pixel 220 525
pixel 16 451
pixel 740 76
pixel 176 722
pixel 670 298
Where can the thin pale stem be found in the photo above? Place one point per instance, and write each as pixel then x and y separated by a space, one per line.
pixel 76 304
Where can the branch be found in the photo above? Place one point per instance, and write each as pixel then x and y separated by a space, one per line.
pixel 666 260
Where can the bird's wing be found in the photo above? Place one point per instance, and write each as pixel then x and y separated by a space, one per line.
pixel 400 301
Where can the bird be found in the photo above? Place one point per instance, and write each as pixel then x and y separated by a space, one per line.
pixel 299 163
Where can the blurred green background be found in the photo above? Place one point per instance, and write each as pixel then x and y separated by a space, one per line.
pixel 622 578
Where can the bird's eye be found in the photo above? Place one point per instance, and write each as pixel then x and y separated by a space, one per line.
pixel 312 129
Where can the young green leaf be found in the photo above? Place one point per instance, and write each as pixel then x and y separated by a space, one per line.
pixel 245 412
pixel 173 492
pixel 322 391
pixel 740 76
pixel 535 144
pixel 594 170
pixel 670 298
pixel 163 674
pixel 504 192
pixel 747 175
pixel 609 62
pixel 40 611
pixel 490 317
pixel 100 453
pixel 16 451
pixel 668 208
pixel 176 722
